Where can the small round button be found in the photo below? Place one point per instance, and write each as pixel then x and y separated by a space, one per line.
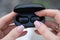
pixel 34 18
pixel 23 20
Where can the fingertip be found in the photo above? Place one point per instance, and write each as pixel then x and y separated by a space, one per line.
pixel 40 13
pixel 48 12
pixel 38 24
pixel 20 28
pixel 16 32
pixel 13 13
pixel 43 29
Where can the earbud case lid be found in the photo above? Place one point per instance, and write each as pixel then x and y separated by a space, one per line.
pixel 26 8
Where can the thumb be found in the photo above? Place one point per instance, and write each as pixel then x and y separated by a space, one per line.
pixel 43 29
pixel 16 32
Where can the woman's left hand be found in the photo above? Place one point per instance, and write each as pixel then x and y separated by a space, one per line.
pixel 9 31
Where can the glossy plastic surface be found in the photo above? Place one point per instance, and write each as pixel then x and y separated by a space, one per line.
pixel 26 14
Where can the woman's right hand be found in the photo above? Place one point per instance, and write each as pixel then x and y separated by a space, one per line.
pixel 43 29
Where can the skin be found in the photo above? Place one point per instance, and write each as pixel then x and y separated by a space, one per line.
pixel 11 32
pixel 43 28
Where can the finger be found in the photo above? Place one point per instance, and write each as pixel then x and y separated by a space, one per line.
pixel 53 31
pixel 48 12
pixel 42 28
pixel 4 21
pixel 51 24
pixel 51 13
pixel 8 29
pixel 1 34
pixel 23 33
pixel 16 32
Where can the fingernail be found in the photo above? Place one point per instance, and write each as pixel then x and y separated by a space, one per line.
pixel 37 24
pixel 20 28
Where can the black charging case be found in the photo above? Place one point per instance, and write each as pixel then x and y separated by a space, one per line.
pixel 26 14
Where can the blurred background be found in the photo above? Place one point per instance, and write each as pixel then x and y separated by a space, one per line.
pixel 7 6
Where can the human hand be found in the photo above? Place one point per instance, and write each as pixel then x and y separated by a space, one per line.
pixel 6 26
pixel 43 29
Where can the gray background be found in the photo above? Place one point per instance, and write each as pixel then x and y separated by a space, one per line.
pixel 7 6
